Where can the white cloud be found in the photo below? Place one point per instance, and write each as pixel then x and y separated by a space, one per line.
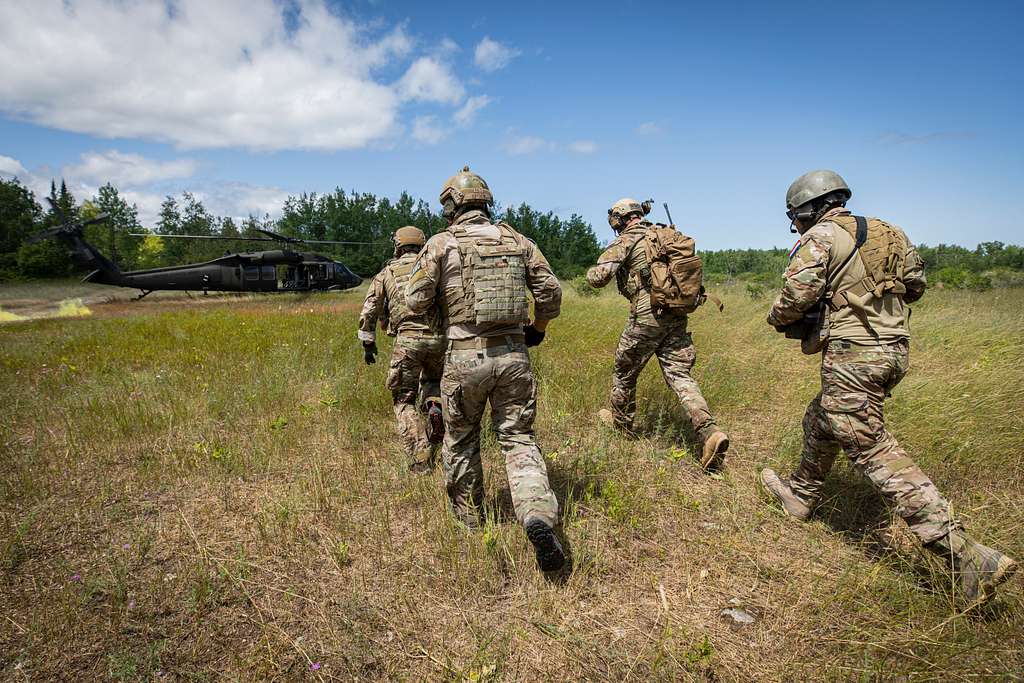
pixel 649 128
pixel 467 113
pixel 490 55
pixel 11 167
pixel 127 170
pixel 527 144
pixel 426 130
pixel 582 146
pixel 231 73
pixel 430 80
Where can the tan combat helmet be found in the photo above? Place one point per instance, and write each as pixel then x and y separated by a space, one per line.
pixel 813 185
pixel 625 207
pixel 465 187
pixel 408 236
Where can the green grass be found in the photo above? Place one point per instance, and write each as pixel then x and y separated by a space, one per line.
pixel 208 490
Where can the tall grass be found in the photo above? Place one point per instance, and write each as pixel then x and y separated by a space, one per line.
pixel 207 491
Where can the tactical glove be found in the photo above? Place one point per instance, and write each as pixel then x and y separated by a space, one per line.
pixel 369 351
pixel 533 335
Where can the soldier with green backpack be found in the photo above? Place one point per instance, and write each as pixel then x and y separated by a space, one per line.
pixel 414 374
pixel 482 273
pixel 846 294
pixel 658 271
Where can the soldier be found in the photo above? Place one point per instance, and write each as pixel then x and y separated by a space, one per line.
pixel 845 293
pixel 649 331
pixel 414 375
pixel 479 272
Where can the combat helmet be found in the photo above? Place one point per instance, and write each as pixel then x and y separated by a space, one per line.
pixel 814 185
pixel 465 187
pixel 408 236
pixel 626 207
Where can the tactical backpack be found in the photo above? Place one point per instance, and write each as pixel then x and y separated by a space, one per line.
pixel 493 280
pixel 676 273
pixel 883 251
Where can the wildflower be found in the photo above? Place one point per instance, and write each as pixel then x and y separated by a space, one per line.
pixel 315 666
pixel 76 577
pixel 131 604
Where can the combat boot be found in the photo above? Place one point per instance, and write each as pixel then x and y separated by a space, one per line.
pixel 435 423
pixel 977 569
pixel 716 443
pixel 781 491
pixel 550 556
pixel 607 418
pixel 423 463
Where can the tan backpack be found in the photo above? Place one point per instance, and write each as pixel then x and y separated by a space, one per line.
pixel 676 280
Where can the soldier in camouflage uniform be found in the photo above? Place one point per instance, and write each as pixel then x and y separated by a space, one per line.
pixel 414 375
pixel 865 271
pixel 480 273
pixel 648 332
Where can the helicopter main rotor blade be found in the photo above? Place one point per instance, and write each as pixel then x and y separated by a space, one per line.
pixel 45 234
pixel 98 219
pixel 203 237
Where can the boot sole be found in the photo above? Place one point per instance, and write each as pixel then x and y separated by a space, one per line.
pixel 714 459
pixel 997 579
pixel 550 556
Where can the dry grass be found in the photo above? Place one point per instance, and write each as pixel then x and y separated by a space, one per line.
pixel 215 491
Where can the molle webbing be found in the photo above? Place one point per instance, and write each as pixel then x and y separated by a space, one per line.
pixel 883 252
pixel 399 273
pixel 493 280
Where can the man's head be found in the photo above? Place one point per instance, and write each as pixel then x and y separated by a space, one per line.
pixel 463 192
pixel 626 212
pixel 812 195
pixel 409 238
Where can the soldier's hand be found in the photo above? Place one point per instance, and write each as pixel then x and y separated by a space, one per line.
pixel 369 351
pixel 533 335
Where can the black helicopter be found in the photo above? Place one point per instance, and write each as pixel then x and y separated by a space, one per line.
pixel 280 270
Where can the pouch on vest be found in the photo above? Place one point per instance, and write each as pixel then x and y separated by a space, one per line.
pixel 676 272
pixel 493 280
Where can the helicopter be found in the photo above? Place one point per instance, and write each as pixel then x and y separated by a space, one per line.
pixel 279 270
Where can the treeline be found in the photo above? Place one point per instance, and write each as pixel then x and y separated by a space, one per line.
pixel 363 219
pixel 368 221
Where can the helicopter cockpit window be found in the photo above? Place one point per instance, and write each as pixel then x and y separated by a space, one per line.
pixel 252 273
pixel 269 272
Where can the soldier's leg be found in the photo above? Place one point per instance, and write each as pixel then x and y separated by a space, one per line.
pixel 859 379
pixel 513 409
pixel 464 389
pixel 403 381
pixel 432 368
pixel 818 455
pixel 636 345
pixel 676 356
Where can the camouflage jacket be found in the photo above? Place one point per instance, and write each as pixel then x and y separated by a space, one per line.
pixel 820 251
pixel 439 267
pixel 625 259
pixel 384 303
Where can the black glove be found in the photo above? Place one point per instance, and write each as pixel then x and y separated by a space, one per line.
pixel 369 351
pixel 533 335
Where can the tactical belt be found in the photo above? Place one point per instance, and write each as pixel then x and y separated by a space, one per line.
pixel 487 342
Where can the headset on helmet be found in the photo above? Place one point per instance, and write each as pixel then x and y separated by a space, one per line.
pixel 625 207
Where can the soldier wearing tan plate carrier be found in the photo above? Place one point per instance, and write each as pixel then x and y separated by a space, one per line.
pixel 845 295
pixel 414 375
pixel 658 271
pixel 481 273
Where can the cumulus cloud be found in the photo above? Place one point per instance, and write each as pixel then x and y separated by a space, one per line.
pixel 467 113
pixel 426 130
pixel 583 146
pixel 127 170
pixel 490 55
pixel 258 74
pixel 430 80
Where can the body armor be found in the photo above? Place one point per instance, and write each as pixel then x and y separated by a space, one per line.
pixel 493 287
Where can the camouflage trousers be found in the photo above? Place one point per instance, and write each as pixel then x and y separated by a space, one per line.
pixel 500 375
pixel 414 377
pixel 847 414
pixel 673 346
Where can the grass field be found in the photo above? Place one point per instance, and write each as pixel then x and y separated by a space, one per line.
pixel 214 490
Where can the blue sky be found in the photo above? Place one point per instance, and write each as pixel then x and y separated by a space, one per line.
pixel 712 107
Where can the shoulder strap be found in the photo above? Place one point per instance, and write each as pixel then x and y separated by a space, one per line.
pixel 861 238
